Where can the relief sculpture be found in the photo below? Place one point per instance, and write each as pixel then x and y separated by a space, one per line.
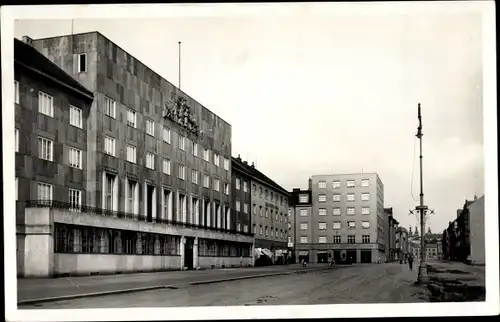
pixel 180 112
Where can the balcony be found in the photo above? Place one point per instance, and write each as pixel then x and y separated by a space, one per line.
pixel 66 206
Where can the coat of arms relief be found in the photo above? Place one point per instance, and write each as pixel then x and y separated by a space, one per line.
pixel 180 112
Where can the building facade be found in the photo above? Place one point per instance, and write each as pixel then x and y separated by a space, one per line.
pixel 477 237
pixel 300 216
pixel 391 237
pixel 51 111
pixel 241 195
pixel 402 243
pixel 347 220
pixel 158 191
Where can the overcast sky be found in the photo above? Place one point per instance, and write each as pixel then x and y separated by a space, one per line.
pixel 319 95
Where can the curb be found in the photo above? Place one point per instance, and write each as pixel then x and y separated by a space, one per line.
pixel 150 288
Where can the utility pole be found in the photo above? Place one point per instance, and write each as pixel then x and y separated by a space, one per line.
pixel 422 270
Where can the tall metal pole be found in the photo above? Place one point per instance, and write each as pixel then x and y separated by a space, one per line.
pixel 179 65
pixel 422 270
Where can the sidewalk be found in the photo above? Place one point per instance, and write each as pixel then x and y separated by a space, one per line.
pixel 29 289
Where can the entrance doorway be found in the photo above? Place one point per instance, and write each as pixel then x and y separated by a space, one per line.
pixel 351 256
pixel 323 257
pixel 366 256
pixel 188 253
pixel 337 255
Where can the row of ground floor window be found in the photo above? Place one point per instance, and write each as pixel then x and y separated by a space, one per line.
pixel 86 250
pixel 359 255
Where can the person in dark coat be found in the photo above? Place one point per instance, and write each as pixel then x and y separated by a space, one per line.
pixel 410 262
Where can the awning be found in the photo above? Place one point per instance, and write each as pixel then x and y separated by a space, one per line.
pixel 322 252
pixel 257 252
pixel 304 253
pixel 267 252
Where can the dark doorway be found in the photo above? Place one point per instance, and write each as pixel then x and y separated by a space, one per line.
pixel 149 202
pixel 322 257
pixel 366 256
pixel 351 256
pixel 188 253
pixel 304 257
pixel 336 256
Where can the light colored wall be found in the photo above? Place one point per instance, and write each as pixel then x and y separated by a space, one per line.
pixel 477 238
pixel 109 263
pixel 207 262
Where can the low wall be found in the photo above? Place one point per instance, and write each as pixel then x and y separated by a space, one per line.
pixel 207 262
pixel 84 264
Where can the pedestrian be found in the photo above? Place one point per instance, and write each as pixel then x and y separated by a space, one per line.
pixel 410 262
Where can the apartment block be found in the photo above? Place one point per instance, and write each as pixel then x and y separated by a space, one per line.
pixel 347 219
pixel 158 171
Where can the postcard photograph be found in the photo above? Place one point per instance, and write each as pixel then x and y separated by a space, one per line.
pixel 251 160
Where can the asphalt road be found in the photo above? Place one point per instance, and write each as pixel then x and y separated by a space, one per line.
pixel 371 283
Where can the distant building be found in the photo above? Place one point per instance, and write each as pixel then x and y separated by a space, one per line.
pixel 477 236
pixel 347 219
pixel 431 251
pixel 402 243
pixel 300 214
pixel 390 235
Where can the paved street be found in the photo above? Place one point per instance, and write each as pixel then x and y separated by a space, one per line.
pixel 362 283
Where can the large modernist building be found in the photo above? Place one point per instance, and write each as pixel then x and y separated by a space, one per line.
pixel 300 211
pixel 155 168
pixel 268 204
pixel 347 219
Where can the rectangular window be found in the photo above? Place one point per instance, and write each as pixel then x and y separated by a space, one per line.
pixel 245 208
pixel 255 209
pixel 194 176
pixel 321 212
pixel 226 189
pixel 366 239
pixel 238 227
pixel 351 239
pixel 16 92
pixel 109 107
pixel 237 184
pixel 261 231
pixel 322 198
pixel 109 192
pixel 272 232
pixel 336 225
pixel 351 211
pixel 226 164
pixel 181 172
pixel 150 127
pixel 195 149
pixel 82 63
pixel 336 211
pixel 322 226
pixel 261 212
pixel 45 104
pixel 206 181
pixel 17 189
pixel 267 212
pixel 245 228
pixel 75 116
pixel 237 205
pixel 303 239
pixel 350 183
pixel 131 153
pixel 45 149
pixel 351 224
pixel 336 184
pixel 109 145
pixel 322 239
pixel 365 210
pixel 75 158
pixel 351 197
pixel 182 143
pixel 336 239
pixel 365 196
pixel 150 161
pixel 131 185
pixel 16 139
pixel 216 184
pixel 216 159
pixel 245 186
pixel 303 212
pixel 303 226
pixel 131 118
pixel 166 135
pixel 336 197
pixel 75 200
pixel 365 183
pixel 260 192
pixel 322 184
pixel 44 191
pixel 365 224
pixel 166 166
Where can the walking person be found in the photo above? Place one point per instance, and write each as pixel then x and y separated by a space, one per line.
pixel 410 262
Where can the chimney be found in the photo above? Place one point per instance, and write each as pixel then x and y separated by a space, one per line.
pixel 27 40
pixel 245 162
pixel 310 183
pixel 239 158
pixel 253 165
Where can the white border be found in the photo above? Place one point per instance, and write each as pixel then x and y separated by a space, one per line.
pixel 490 307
